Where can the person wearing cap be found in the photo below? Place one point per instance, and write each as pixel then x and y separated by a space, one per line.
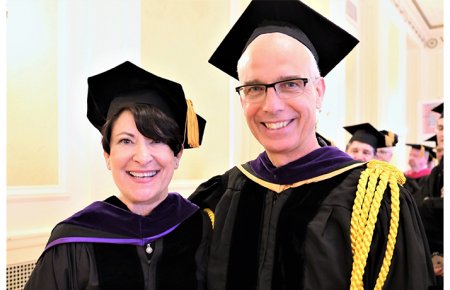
pixel 296 217
pixel 438 149
pixel 419 157
pixel 365 141
pixel 145 237
pixel 439 109
pixel 433 184
pixel 431 207
pixel 386 153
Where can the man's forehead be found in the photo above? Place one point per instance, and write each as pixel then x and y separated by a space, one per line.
pixel 384 150
pixel 277 40
pixel 277 46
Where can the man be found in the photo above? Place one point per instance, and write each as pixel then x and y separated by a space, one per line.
pixel 386 153
pixel 438 149
pixel 419 157
pixel 440 124
pixel 431 206
pixel 365 141
pixel 433 185
pixel 285 220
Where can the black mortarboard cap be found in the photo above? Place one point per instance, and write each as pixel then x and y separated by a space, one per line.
pixel 439 109
pixel 127 83
pixel 366 133
pixel 424 148
pixel 391 139
pixel 328 42
pixel 323 141
pixel 432 139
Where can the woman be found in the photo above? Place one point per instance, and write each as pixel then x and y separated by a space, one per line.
pixel 146 237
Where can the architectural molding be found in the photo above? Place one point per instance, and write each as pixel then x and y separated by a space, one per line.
pixel 418 15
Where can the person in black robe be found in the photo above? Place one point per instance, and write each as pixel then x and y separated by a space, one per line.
pixel 386 153
pixel 419 160
pixel 365 141
pixel 145 237
pixel 432 204
pixel 301 216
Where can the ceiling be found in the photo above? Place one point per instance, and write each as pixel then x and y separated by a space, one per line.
pixel 426 19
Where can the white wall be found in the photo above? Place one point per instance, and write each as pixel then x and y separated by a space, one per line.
pixel 92 37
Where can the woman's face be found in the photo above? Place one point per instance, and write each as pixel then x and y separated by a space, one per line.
pixel 142 168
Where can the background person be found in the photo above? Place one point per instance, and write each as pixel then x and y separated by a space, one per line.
pixel 432 205
pixel 386 153
pixel 145 237
pixel 438 150
pixel 365 141
pixel 419 158
pixel 285 220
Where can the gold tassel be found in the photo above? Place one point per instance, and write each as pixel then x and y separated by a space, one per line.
pixel 422 151
pixel 389 139
pixel 192 126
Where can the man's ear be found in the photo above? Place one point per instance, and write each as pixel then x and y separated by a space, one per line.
pixel 320 90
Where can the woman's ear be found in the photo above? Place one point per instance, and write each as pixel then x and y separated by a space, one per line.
pixel 178 157
pixel 106 155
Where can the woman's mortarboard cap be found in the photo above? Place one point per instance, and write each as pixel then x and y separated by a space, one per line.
pixel 127 83
pixel 327 41
pixel 366 133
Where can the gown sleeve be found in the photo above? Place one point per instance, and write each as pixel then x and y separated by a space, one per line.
pixel 209 193
pixel 64 267
pixel 201 256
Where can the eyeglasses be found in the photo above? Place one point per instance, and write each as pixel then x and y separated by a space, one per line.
pixel 285 89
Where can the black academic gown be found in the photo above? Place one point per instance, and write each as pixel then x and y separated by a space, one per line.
pixel 104 247
pixel 432 207
pixel 300 238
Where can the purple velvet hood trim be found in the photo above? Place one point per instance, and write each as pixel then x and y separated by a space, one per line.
pixel 119 226
pixel 318 162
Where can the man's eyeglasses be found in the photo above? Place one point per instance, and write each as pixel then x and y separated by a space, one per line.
pixel 285 89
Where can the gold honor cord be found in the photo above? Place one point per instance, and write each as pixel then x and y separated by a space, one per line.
pixel 210 214
pixel 370 190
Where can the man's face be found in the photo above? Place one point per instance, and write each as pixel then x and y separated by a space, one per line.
pixel 417 160
pixel 440 132
pixel 439 152
pixel 384 154
pixel 285 127
pixel 360 151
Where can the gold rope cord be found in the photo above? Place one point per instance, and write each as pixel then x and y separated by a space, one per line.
pixel 210 214
pixel 370 190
